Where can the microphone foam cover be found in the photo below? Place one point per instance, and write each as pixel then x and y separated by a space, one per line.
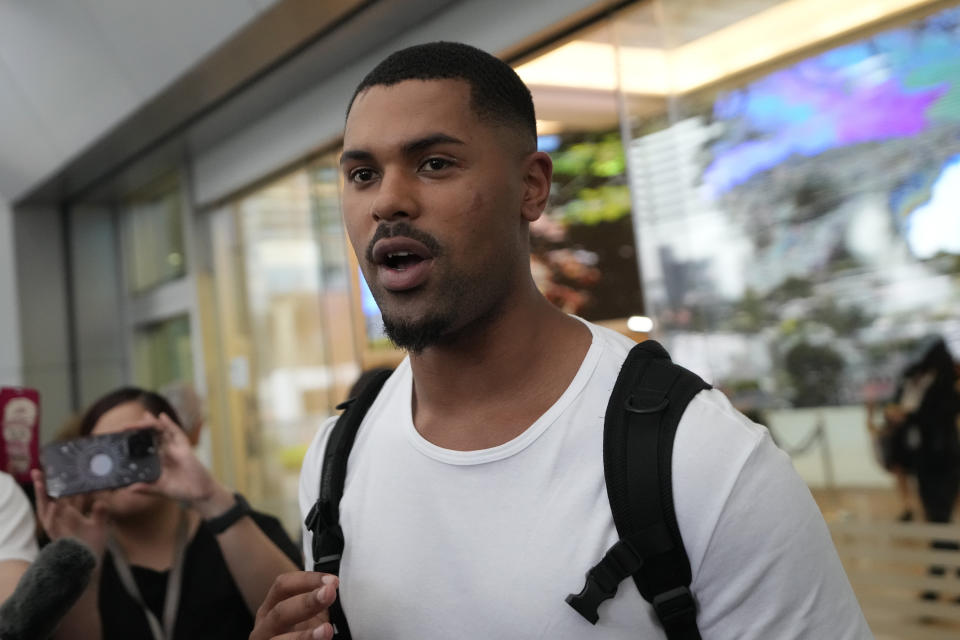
pixel 47 590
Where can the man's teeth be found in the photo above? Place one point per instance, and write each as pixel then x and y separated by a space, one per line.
pixel 400 259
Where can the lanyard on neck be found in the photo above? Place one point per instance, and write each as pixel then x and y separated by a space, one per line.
pixel 172 598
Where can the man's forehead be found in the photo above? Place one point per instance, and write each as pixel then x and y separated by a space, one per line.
pixel 407 104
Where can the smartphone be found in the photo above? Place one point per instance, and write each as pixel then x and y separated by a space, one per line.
pixel 19 431
pixel 95 463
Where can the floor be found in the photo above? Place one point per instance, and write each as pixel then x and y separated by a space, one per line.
pixel 919 620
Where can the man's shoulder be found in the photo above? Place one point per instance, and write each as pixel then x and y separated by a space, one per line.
pixel 715 441
pixel 711 410
pixel 615 344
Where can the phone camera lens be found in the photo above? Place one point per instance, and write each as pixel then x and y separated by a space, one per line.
pixel 140 445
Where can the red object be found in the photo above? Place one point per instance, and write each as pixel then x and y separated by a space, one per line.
pixel 19 431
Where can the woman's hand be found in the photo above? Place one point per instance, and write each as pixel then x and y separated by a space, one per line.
pixel 183 476
pixel 894 414
pixel 81 516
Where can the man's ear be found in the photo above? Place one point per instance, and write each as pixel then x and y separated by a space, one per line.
pixel 538 174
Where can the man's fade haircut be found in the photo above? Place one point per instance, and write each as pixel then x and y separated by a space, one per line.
pixel 497 94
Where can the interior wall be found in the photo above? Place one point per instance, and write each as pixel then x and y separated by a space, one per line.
pixel 95 268
pixel 105 58
pixel 314 119
pixel 10 360
pixel 43 312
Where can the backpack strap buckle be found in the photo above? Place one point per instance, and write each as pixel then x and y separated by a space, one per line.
pixel 674 605
pixel 320 517
pixel 620 562
pixel 327 538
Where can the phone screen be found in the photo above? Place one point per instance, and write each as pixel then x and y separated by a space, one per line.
pixel 96 463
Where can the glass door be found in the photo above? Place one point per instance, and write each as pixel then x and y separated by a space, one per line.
pixel 283 329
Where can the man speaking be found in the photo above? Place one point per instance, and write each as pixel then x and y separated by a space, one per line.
pixel 475 496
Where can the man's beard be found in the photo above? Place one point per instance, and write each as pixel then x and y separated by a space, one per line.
pixel 416 335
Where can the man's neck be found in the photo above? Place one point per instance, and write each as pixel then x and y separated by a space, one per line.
pixel 491 382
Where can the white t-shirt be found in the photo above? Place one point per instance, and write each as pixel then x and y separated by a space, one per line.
pixel 17 528
pixel 488 543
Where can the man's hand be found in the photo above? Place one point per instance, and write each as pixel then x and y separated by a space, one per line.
pixel 296 608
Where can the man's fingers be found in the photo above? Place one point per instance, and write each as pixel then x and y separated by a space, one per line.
pixel 295 608
pixel 291 584
pixel 323 632
pixel 288 613
pixel 313 622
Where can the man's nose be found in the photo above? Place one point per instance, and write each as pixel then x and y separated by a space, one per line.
pixel 396 198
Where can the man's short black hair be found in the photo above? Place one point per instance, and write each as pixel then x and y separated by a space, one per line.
pixel 497 93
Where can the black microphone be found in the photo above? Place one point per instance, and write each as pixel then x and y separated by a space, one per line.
pixel 47 590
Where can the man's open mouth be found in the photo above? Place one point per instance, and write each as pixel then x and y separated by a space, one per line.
pixel 402 263
pixel 400 260
pixel 399 252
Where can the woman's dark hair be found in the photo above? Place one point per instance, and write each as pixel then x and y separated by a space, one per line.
pixel 150 401
pixel 936 357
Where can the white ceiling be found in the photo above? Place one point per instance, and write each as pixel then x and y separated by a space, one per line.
pixel 70 70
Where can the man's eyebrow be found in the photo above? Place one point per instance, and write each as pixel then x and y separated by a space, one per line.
pixel 355 154
pixel 415 146
pixel 408 148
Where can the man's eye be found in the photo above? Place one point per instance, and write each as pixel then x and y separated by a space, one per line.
pixel 435 164
pixel 361 175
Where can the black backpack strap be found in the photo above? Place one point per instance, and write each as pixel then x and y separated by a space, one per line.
pixel 324 517
pixel 648 400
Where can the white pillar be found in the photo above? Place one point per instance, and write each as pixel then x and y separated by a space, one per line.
pixel 11 359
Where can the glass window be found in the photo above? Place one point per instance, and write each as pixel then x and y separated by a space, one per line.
pixel 153 236
pixel 289 338
pixel 791 169
pixel 794 194
pixel 163 353
pixel 583 252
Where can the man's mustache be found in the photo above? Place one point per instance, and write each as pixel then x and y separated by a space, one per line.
pixel 405 230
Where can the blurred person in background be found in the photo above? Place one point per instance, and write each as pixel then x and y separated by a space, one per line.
pixel 184 399
pixel 18 544
pixel 928 402
pixel 183 557
pixel 895 446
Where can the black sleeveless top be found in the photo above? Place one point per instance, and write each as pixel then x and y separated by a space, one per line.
pixel 211 605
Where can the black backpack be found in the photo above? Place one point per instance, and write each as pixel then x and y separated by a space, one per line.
pixel 648 399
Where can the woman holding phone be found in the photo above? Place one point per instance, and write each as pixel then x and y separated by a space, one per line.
pixel 182 557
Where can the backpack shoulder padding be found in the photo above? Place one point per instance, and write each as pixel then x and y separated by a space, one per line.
pixel 645 407
pixel 324 518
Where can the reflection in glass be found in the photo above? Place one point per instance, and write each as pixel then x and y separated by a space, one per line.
pixel 583 254
pixel 163 353
pixel 153 236
pixel 787 219
pixel 288 343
